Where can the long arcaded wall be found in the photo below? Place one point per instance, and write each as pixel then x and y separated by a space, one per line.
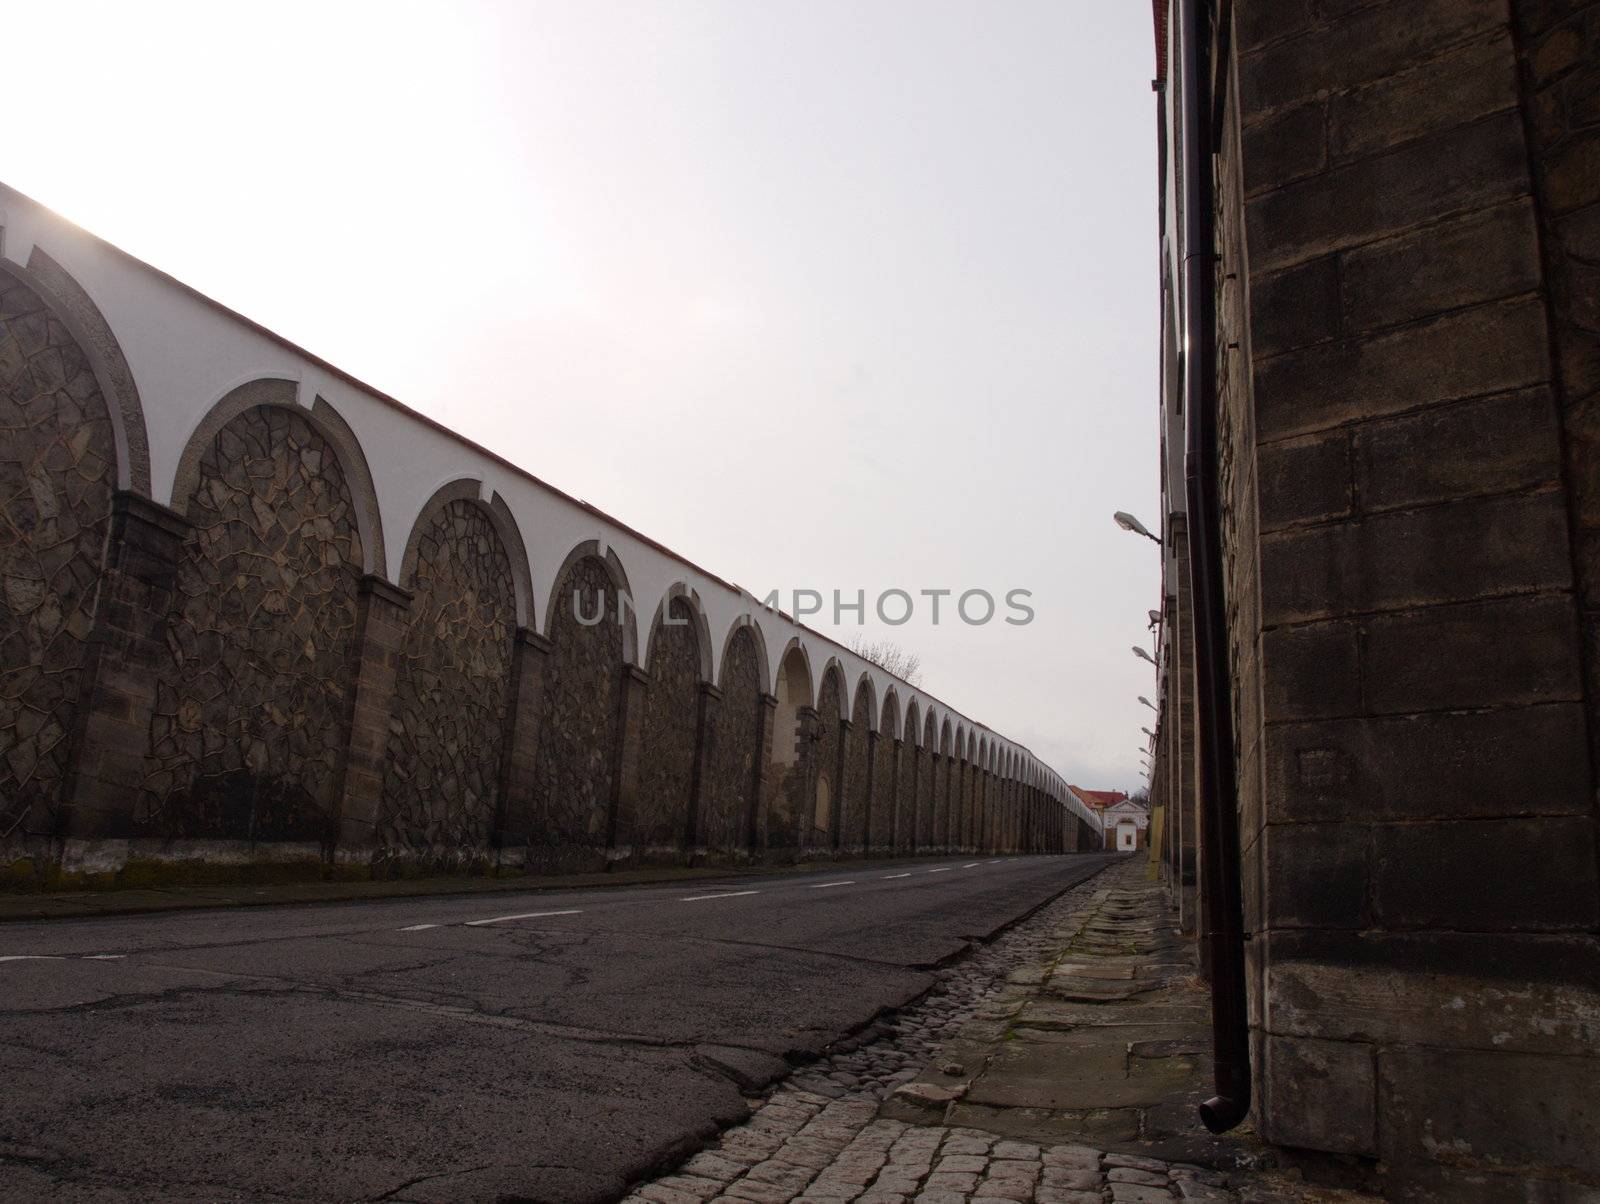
pixel 255 609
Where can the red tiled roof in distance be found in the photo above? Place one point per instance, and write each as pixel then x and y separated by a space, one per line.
pixel 1099 799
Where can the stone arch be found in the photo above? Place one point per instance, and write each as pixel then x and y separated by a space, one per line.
pixel 60 451
pixel 504 524
pixel 826 826
pixel 86 325
pixel 981 791
pixel 441 782
pixel 969 792
pixel 620 611
pixel 928 788
pixel 883 825
pixel 679 662
pixel 789 797
pixel 945 823
pixel 692 613
pixel 575 771
pixel 250 725
pixel 748 625
pixel 911 772
pixel 329 425
pixel 731 801
pixel 855 826
pixel 834 665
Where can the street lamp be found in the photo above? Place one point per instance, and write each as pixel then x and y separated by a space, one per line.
pixel 1155 617
pixel 1148 732
pixel 1149 704
pixel 1140 652
pixel 1128 523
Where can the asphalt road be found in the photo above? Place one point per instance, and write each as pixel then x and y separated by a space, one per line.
pixel 544 1046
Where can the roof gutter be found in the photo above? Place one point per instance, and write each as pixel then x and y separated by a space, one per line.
pixel 1222 914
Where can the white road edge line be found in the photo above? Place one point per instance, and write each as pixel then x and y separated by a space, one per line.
pixel 527 915
pixel 905 875
pixel 820 885
pixel 417 927
pixel 732 894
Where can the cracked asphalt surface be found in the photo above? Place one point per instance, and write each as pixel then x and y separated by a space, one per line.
pixel 544 1046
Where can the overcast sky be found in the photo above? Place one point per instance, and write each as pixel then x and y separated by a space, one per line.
pixel 822 295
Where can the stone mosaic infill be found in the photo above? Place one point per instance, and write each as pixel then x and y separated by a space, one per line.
pixel 57 471
pixel 828 1134
pixel 249 725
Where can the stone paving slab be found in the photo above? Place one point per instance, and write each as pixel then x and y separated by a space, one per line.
pixel 903 1111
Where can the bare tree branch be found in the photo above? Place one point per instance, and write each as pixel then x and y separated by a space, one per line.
pixel 888 656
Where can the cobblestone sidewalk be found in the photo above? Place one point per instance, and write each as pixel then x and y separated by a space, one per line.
pixel 826 1135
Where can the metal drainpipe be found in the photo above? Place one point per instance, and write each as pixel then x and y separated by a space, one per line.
pixel 1222 919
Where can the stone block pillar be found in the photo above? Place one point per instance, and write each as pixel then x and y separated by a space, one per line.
pixel 126 649
pixel 897 822
pixel 520 745
pixel 622 825
pixel 761 783
pixel 872 782
pixel 841 785
pixel 708 700
pixel 381 632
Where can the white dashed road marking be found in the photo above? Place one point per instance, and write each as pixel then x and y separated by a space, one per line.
pixel 970 864
pixel 941 869
pixel 732 894
pixel 527 915
pixel 897 875
pixel 63 957
pixel 417 927
pixel 820 885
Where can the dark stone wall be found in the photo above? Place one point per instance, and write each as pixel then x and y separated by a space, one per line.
pixel 1407 346
pixel 825 814
pixel 1559 58
pixel 731 759
pixel 667 749
pixel 57 475
pixel 853 834
pixel 442 762
pixel 945 802
pixel 882 829
pixel 791 801
pixel 911 772
pixel 251 713
pixel 574 775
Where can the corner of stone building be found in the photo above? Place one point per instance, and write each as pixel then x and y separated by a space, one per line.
pixel 1406 228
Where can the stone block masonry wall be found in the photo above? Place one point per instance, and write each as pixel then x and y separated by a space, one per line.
pixel 208 655
pixel 1560 77
pixel 1406 336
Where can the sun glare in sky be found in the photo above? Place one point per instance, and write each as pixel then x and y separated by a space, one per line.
pixel 823 295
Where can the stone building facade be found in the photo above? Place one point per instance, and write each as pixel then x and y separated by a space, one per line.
pixel 1405 272
pixel 255 610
